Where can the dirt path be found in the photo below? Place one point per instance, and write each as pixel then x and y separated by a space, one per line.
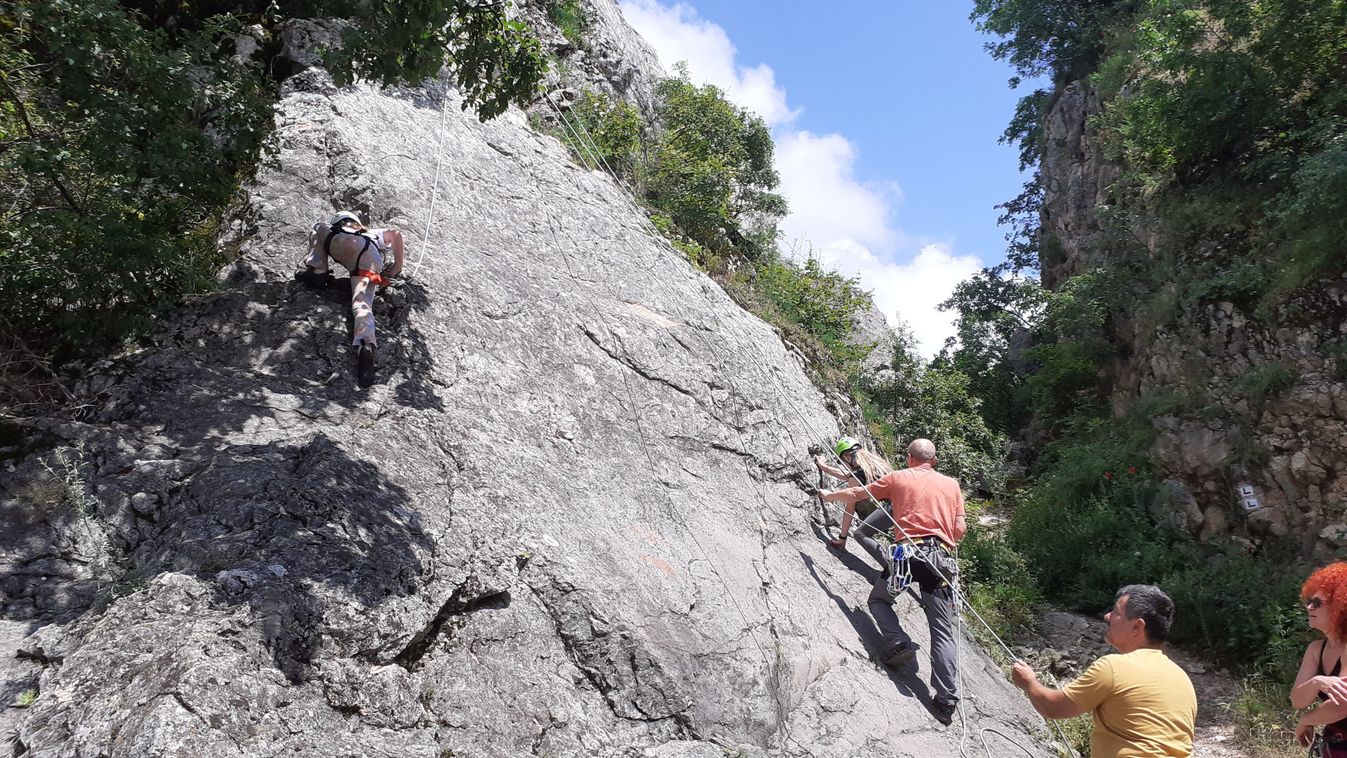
pixel 1067 642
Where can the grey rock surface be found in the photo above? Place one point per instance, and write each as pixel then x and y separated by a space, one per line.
pixel 568 519
pixel 609 58
pixel 1076 179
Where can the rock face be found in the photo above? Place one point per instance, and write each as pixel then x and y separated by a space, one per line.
pixel 610 58
pixel 1075 180
pixel 567 520
pixel 1264 452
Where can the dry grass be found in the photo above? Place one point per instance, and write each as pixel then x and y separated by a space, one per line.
pixel 1264 721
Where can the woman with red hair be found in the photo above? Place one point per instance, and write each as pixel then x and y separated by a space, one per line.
pixel 1322 669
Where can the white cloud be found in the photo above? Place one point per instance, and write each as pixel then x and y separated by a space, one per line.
pixel 827 203
pixel 907 292
pixel 848 224
pixel 678 33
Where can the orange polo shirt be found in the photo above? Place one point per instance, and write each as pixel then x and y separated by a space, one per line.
pixel 926 503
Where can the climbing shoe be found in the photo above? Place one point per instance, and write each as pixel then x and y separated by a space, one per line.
pixel 314 279
pixel 364 365
pixel 901 655
pixel 944 710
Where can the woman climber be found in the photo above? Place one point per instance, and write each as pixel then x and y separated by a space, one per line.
pixel 363 252
pixel 1321 670
pixel 863 467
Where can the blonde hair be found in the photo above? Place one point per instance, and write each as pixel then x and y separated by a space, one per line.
pixel 873 465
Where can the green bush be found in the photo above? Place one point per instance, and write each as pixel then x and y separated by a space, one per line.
pixel 932 400
pixel 1093 489
pixel 711 172
pixel 997 580
pixel 599 129
pixel 570 18
pixel 823 302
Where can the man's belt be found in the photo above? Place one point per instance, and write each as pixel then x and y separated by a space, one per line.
pixel 931 539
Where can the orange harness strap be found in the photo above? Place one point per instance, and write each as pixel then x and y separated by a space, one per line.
pixel 374 278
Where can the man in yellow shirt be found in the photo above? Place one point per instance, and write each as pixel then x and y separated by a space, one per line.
pixel 1143 703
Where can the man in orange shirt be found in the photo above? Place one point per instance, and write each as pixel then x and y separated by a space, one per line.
pixel 928 511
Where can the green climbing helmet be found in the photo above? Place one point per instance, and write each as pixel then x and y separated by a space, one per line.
pixel 844 444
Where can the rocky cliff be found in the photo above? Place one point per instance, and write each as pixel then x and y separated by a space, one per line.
pixel 1257 446
pixel 568 520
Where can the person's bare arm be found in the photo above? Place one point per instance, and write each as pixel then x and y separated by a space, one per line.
pixel 848 495
pixel 960 522
pixel 1308 685
pixel 832 471
pixel 845 529
pixel 1050 703
pixel 394 239
pixel 1326 713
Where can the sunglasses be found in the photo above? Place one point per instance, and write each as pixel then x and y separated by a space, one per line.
pixel 1314 603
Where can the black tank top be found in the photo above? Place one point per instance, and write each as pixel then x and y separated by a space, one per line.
pixel 1337 669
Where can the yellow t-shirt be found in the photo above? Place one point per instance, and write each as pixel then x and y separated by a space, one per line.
pixel 1144 706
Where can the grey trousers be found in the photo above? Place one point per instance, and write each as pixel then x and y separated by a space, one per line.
pixel 938 602
pixel 876 523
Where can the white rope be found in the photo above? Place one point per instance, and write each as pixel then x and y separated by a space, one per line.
pixel 590 147
pixel 434 187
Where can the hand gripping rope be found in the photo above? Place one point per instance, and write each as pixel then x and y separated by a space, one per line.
pixel 587 144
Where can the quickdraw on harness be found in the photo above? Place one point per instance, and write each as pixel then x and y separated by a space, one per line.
pixel 928 550
pixel 366 240
pixel 900 568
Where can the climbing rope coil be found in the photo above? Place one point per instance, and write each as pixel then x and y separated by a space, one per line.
pixel 904 547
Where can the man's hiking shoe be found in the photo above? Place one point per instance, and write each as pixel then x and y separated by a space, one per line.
pixel 944 711
pixel 364 366
pixel 901 655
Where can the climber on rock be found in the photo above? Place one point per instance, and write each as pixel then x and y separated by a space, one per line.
pixel 863 467
pixel 363 252
pixel 928 514
pixel 1143 703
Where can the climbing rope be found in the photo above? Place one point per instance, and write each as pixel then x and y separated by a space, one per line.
pixel 671 508
pixel 586 143
pixel 435 186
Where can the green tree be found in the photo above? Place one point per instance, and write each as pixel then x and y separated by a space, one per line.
pixel 999 313
pixel 933 400
pixel 712 173
pixel 824 303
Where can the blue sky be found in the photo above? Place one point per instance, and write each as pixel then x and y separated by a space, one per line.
pixel 886 115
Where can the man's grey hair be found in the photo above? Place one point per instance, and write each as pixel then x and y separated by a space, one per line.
pixel 1150 604
pixel 921 450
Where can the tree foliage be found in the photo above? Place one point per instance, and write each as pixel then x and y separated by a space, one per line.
pixel 712 171
pixel 916 398
pixel 125 129
pixel 824 303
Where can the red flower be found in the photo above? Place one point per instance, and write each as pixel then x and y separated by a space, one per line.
pixel 1108 474
pixel 1132 470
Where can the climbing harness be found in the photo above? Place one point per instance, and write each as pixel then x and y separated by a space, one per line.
pixel 902 536
pixel 367 241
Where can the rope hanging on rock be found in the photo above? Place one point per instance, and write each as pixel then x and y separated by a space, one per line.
pixel 578 132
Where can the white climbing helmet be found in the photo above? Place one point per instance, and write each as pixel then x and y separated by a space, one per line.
pixel 344 217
